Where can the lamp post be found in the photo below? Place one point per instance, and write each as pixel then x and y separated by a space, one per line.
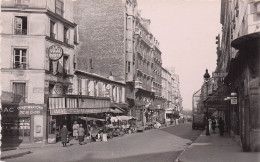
pixel 206 80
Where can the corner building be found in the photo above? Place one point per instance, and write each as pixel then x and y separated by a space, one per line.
pixel 30 29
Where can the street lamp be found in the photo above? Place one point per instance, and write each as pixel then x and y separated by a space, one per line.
pixel 206 80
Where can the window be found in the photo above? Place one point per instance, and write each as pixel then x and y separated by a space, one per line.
pixel 66 64
pixel 59 7
pixel 65 35
pixel 52 29
pixel 129 24
pixel 129 67
pixel 19 92
pixel 90 64
pixel 128 45
pixel 20 25
pixel 80 86
pixel 76 35
pixel 74 62
pixel 19 58
pixel 87 87
pixel 51 88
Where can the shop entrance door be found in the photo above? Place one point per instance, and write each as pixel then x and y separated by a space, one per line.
pixel 24 128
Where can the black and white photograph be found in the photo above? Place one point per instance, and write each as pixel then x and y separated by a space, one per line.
pixel 130 81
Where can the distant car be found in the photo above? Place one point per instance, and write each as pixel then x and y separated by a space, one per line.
pixel 157 125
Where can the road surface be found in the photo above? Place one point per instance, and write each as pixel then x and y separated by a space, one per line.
pixel 154 145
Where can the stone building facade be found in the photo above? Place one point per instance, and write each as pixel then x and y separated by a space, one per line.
pixel 238 56
pixel 28 71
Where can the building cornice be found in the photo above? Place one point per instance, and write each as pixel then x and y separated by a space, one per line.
pixel 59 42
pixel 96 76
pixel 40 11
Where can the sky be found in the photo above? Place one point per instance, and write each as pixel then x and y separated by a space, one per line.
pixel 186 30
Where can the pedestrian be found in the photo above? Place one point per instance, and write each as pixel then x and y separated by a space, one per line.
pixel 213 124
pixel 64 134
pixel 221 125
pixel 81 133
pixel 75 128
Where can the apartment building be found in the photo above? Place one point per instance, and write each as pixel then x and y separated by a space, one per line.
pixel 38 50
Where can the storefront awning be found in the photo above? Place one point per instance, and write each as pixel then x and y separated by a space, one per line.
pixel 216 100
pixel 118 107
pixel 63 111
pixel 241 41
pixel 125 118
pixel 89 118
pixel 116 111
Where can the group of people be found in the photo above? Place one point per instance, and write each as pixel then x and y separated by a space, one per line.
pixel 78 132
pixel 221 125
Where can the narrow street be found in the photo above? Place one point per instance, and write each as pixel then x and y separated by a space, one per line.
pixel 153 145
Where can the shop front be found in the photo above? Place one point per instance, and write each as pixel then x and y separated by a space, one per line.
pixel 66 109
pixel 22 123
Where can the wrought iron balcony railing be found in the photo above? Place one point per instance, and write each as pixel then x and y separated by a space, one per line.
pixel 20 31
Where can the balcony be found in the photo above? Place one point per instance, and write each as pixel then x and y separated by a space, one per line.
pixel 138 84
pixel 19 66
pixel 20 31
pixel 19 98
pixel 147 41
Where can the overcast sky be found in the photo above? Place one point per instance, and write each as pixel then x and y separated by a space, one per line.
pixel 186 30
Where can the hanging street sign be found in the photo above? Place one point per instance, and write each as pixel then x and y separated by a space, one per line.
pixel 233 100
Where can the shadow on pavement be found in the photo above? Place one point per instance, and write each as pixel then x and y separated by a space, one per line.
pixel 182 131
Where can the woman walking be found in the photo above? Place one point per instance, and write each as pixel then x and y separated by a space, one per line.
pixel 81 133
pixel 75 128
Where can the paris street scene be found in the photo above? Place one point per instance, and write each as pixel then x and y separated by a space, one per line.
pixel 130 81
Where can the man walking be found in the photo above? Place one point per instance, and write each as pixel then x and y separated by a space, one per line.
pixel 221 125
pixel 213 124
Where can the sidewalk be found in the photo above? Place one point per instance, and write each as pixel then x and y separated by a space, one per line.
pixel 24 149
pixel 216 148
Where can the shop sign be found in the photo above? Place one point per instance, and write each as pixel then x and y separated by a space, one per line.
pixel 78 111
pixel 55 52
pixel 22 110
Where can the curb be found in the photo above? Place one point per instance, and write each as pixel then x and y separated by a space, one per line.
pixel 15 155
pixel 186 147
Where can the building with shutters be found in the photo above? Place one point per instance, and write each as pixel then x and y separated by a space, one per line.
pixel 38 49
